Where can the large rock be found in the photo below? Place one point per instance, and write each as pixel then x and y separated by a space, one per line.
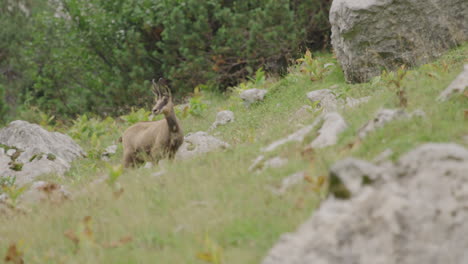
pixel 37 151
pixel 417 214
pixel 199 143
pixel 371 35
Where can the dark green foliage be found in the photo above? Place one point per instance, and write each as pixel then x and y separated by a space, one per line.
pixel 77 56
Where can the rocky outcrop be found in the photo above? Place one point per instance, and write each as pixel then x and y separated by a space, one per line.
pixel 333 125
pixel 327 100
pixel 384 116
pixel 457 86
pixel 35 151
pixel 413 211
pixel 251 96
pixel 371 35
pixel 199 143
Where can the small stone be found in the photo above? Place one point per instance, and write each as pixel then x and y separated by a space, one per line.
pixel 222 118
pixel 252 95
pixel 11 152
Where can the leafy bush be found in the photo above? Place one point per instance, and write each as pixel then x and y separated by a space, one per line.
pixel 77 56
pixel 137 116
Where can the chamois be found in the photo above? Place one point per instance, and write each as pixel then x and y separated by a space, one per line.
pixel 157 139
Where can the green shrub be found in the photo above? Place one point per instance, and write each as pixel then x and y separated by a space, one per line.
pixel 100 57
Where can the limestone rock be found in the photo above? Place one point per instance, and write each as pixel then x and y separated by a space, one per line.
pixel 297 136
pixel 222 118
pixel 418 216
pixel 328 101
pixel 381 118
pixel 457 86
pixel 324 99
pixel 252 95
pixel 198 143
pixel 333 125
pixel 371 35
pixel 38 151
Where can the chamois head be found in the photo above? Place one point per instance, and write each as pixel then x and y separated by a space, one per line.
pixel 163 97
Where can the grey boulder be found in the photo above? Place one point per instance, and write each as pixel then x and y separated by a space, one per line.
pixel 371 35
pixel 199 143
pixel 417 215
pixel 38 151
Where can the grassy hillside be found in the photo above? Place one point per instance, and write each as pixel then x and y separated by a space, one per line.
pixel 211 209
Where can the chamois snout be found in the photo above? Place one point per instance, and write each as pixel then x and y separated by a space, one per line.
pixel 161 104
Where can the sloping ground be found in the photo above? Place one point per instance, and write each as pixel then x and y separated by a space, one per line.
pixel 212 209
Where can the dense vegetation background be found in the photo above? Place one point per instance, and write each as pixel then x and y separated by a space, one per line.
pixel 69 57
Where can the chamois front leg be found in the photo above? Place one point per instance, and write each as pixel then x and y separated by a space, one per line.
pixel 129 159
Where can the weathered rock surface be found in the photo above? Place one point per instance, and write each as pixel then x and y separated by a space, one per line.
pixel 297 136
pixel 384 116
pixel 371 35
pixel 326 100
pixel 415 215
pixel 457 86
pixel 222 118
pixel 198 143
pixel 252 95
pixel 333 125
pixel 38 151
